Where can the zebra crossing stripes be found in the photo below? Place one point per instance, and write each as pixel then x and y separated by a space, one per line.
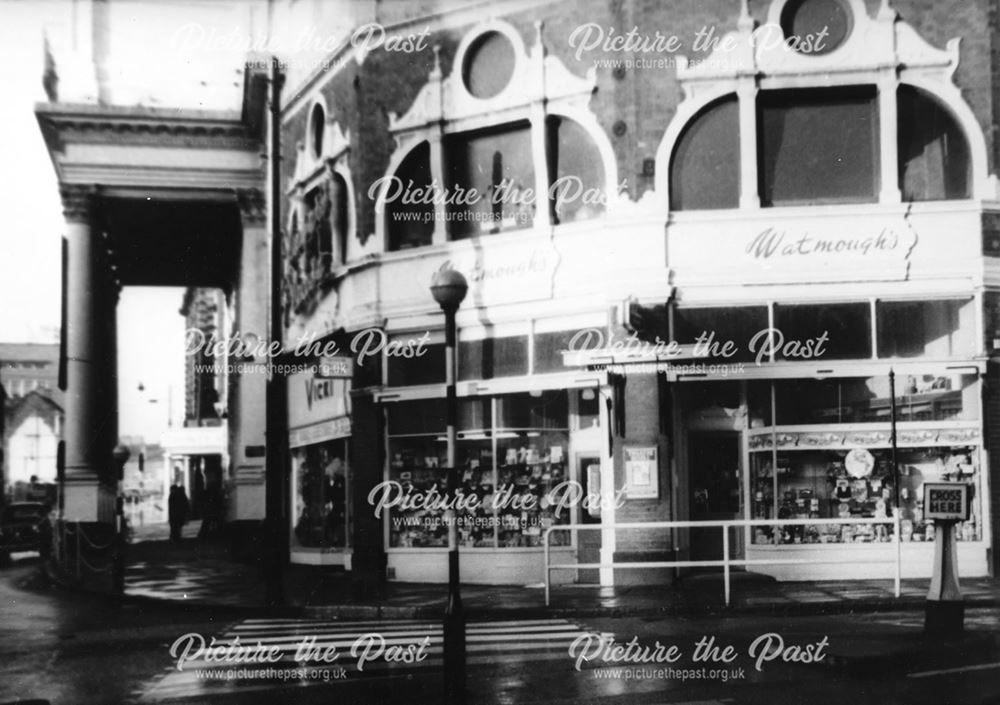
pixel 297 652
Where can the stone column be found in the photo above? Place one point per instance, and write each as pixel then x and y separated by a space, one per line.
pixel 247 404
pixel 90 394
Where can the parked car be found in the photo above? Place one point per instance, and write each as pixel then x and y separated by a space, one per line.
pixel 25 526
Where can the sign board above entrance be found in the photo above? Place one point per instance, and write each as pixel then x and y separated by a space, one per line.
pixel 810 245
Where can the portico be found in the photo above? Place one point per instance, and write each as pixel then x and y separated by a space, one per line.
pixel 152 197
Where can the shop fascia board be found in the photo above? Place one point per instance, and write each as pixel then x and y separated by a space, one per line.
pixel 770 370
pixel 842 368
pixel 507 385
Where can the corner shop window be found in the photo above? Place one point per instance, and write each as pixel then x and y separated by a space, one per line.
pixel 865 400
pixel 493 357
pixel 704 168
pixel 427 368
pixel 818 146
pixel 717 326
pixel 411 224
pixel 319 476
pixel 549 348
pixel 499 166
pixel 843 330
pixel 533 410
pixel 934 161
pixel 857 483
pixel 509 469
pixel 934 328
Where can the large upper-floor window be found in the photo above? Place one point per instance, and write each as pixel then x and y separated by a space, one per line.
pixel 497 167
pixel 491 185
pixel 817 146
pixel 411 223
pixel 703 167
pixel 832 105
pixel 933 150
pixel 503 143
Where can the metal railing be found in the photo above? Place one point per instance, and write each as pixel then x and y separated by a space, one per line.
pixel 726 562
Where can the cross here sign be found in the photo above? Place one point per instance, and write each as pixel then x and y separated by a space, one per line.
pixel 946 501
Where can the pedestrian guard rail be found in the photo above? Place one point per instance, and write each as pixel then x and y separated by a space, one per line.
pixel 726 562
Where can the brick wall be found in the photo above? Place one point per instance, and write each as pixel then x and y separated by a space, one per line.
pixel 643 101
pixel 642 427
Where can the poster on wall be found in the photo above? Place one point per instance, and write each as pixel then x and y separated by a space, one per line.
pixel 642 477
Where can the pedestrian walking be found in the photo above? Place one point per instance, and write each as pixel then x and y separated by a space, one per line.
pixel 177 511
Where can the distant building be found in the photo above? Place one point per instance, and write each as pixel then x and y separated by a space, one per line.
pixel 33 415
pixel 204 376
pixel 32 431
pixel 26 367
pixel 195 456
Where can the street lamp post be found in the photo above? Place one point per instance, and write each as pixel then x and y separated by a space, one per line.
pixel 449 288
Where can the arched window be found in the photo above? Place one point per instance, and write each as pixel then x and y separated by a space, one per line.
pixel 934 161
pixel 705 168
pixel 316 125
pixel 338 204
pixel 577 172
pixel 410 224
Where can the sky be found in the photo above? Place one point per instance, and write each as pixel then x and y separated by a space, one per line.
pixel 163 53
pixel 29 195
pixel 151 67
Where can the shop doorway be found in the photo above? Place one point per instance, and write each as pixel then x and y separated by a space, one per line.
pixel 714 482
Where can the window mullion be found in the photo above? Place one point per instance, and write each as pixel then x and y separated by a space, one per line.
pixel 539 154
pixel 440 234
pixel 747 96
pixel 888 147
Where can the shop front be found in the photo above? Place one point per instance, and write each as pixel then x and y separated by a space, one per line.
pixel 529 439
pixel 853 436
pixel 318 440
pixel 828 242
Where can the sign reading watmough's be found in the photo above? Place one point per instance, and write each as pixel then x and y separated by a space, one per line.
pixel 948 501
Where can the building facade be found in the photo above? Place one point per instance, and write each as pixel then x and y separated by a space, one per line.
pixel 28 367
pixel 33 415
pixel 738 262
pixel 803 207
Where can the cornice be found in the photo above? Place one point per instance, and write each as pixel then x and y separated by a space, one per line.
pixel 77 202
pixel 63 123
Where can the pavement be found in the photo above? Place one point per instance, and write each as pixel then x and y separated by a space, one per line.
pixel 201 572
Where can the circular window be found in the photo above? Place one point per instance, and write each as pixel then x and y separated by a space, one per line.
pixel 815 27
pixel 488 65
pixel 316 125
